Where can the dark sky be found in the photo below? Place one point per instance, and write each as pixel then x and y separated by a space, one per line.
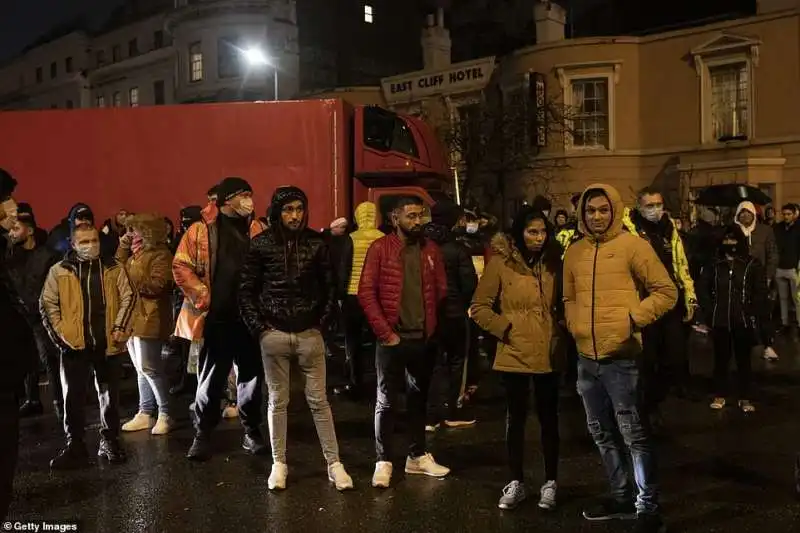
pixel 22 21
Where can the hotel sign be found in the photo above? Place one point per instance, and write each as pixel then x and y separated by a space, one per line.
pixel 459 78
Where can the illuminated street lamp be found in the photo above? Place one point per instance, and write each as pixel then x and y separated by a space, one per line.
pixel 256 58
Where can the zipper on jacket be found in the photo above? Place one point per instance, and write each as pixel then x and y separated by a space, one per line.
pixel 730 293
pixel 594 281
pixel 89 298
pixel 716 296
pixel 744 293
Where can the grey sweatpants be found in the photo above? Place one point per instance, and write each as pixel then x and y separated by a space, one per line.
pixel 787 291
pixel 278 349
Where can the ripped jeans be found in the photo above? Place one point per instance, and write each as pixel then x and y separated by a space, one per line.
pixel 610 393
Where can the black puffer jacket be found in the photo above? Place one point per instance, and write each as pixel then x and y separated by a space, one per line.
pixel 17 347
pixel 28 269
pixel 287 279
pixel 462 280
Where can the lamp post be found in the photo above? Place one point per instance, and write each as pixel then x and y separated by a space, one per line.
pixel 255 58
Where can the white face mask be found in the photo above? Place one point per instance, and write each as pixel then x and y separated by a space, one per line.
pixel 472 227
pixel 9 208
pixel 88 252
pixel 653 214
pixel 246 207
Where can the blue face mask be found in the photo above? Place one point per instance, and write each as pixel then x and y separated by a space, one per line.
pixel 472 227
pixel 653 214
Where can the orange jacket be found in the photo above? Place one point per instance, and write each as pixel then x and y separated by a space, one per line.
pixel 193 270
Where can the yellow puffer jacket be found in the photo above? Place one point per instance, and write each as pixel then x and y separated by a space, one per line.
pixel 366 217
pixel 614 284
pixel 680 265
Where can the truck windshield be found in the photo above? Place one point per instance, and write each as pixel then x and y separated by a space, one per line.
pixel 385 131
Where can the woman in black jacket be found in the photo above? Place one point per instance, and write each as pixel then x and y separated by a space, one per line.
pixel 733 298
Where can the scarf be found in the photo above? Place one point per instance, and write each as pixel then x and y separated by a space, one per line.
pixel 137 245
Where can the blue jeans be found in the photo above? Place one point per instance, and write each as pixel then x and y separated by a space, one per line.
pixel 151 375
pixel 610 394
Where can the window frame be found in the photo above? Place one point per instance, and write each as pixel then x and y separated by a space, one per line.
pixel 369 14
pixel 567 74
pixel 100 101
pixel 163 85
pixel 69 66
pixel 722 50
pixel 133 97
pixel 116 99
pixel 198 46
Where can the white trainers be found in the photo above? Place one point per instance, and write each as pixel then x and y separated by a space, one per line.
pixel 339 477
pixel 139 422
pixel 770 354
pixel 277 477
pixel 163 425
pixel 231 411
pixel 382 477
pixel 547 499
pixel 426 465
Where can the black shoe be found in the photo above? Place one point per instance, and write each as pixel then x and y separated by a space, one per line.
pixel 31 409
pixel 200 450
pixel 111 451
pixel 188 385
pixel 254 444
pixel 351 392
pixel 72 457
pixel 610 510
pixel 649 523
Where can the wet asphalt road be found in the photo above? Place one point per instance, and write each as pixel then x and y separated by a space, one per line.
pixel 721 472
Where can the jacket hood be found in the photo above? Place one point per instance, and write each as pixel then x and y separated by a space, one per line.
pixel 617 213
pixel 511 245
pixel 746 206
pixel 152 227
pixel 436 232
pixel 366 215
pixel 281 197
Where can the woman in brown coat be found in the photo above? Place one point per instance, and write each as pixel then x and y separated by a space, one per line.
pixel 518 301
pixel 144 252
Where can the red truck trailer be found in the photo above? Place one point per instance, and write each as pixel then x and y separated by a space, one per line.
pixel 164 158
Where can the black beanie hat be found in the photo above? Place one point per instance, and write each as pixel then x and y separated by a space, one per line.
pixel 230 187
pixel 7 184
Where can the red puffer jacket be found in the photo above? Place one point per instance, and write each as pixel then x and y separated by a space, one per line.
pixel 382 283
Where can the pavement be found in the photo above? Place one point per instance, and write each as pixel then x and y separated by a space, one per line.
pixel 721 472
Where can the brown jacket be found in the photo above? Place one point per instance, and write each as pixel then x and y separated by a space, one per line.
pixel 527 298
pixel 614 285
pixel 61 304
pixel 150 273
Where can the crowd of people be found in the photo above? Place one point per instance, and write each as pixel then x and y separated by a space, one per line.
pixel 603 297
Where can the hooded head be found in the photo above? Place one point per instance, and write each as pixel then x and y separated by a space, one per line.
pixel 601 212
pixel 540 203
pixel 288 210
pixel 561 218
pixel 80 214
pixel 746 217
pixel 447 214
pixel 531 240
pixel 734 242
pixel 151 227
pixel 366 216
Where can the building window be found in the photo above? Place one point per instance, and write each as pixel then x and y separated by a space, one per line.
pixel 101 58
pixel 53 70
pixel 229 58
pixel 133 48
pixel 368 15
pixel 195 62
pixel 158 39
pixel 68 65
pixel 100 101
pixel 39 75
pixel 133 97
pixel 730 95
pixel 590 108
pixel 70 104
pixel 116 53
pixel 158 93
pixel 116 99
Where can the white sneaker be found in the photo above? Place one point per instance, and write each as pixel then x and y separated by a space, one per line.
pixel 230 411
pixel 339 477
pixel 770 354
pixel 548 496
pixel 382 477
pixel 163 425
pixel 426 465
pixel 277 477
pixel 139 422
pixel 431 428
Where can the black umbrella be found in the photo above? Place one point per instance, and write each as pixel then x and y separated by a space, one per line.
pixel 731 195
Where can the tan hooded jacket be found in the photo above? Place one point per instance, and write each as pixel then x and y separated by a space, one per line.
pixel 150 273
pixel 614 285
